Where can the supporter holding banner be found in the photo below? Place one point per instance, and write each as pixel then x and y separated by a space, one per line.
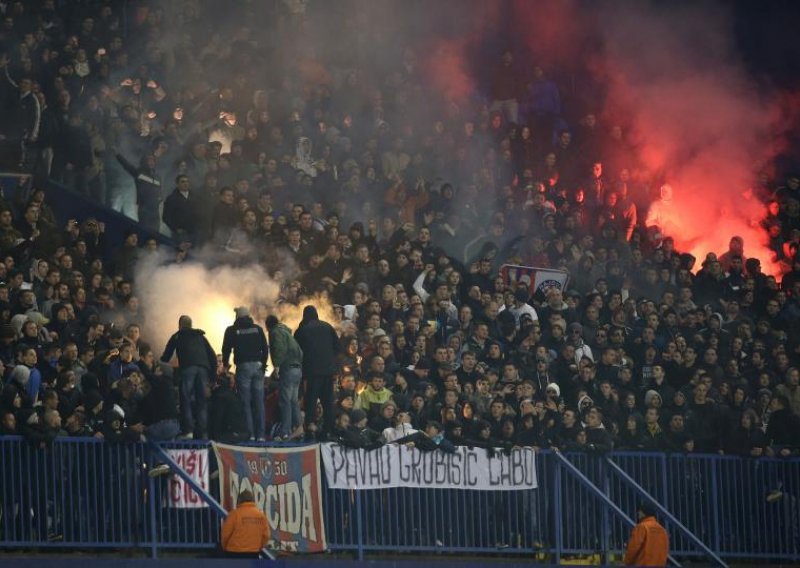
pixel 400 466
pixel 536 279
pixel 286 486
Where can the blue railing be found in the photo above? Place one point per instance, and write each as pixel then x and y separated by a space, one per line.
pixel 88 494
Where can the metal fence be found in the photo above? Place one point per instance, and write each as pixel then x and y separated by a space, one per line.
pixel 89 494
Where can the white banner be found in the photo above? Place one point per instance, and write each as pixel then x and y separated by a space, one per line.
pixel 195 463
pixel 394 465
pixel 536 279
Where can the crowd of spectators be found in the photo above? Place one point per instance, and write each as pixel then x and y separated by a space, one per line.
pixel 360 184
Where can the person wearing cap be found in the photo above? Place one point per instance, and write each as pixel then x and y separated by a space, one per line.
pixel 649 541
pixel 287 357
pixel 367 438
pixel 250 352
pixel 245 531
pixel 196 362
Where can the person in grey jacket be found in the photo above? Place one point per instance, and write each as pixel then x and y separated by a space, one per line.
pixel 287 357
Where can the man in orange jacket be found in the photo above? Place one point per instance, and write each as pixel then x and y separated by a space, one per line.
pixel 649 542
pixel 246 530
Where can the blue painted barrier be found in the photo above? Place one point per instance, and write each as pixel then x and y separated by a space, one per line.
pixel 88 494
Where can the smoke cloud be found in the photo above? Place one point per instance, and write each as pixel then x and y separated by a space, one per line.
pixel 675 83
pixel 696 116
pixel 209 295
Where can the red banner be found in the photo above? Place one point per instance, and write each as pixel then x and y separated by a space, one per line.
pixel 287 487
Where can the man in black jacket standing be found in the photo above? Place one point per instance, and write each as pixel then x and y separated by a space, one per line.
pixel 196 362
pixel 320 345
pixel 180 213
pixel 249 346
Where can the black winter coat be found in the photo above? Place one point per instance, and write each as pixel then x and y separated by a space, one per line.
pixel 319 343
pixel 246 340
pixel 192 348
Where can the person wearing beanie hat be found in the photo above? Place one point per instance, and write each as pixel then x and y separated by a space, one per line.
pixel 358 416
pixel 553 389
pixel 248 343
pixel 196 361
pixel 653 399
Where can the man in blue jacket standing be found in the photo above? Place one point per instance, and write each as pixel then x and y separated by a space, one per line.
pixel 250 351
pixel 196 362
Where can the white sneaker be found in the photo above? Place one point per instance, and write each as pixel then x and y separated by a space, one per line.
pixel 162 469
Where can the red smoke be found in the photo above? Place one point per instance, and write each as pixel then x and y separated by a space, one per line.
pixel 448 70
pixel 693 116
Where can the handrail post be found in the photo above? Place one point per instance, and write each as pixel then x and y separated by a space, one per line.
pixel 557 510
pixel 606 520
pixel 359 526
pixel 151 500
pixel 714 503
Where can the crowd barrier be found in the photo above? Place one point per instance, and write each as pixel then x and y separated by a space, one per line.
pixel 88 494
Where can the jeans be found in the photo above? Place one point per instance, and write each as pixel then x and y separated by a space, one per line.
pixel 250 380
pixel 289 401
pixel 162 430
pixel 194 400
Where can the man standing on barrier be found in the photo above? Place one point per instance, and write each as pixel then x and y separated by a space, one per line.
pixel 320 345
pixel 649 542
pixel 250 351
pixel 287 357
pixel 196 362
pixel 245 531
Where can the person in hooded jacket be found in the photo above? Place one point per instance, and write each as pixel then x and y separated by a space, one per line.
pixel 320 347
pixel 196 361
pixel 250 351
pixel 11 401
